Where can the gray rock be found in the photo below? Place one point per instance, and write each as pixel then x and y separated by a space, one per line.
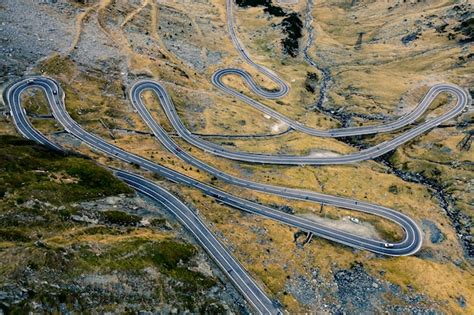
pixel 436 236
pixel 461 301
pixel 361 293
pixel 113 200
pixel 85 219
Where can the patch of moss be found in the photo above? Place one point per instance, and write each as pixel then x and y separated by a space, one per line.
pixel 169 254
pixel 102 230
pixel 171 258
pixel 13 235
pixel 56 65
pixel 120 217
pixel 160 223
pixel 393 189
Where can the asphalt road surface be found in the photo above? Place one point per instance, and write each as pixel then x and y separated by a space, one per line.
pixel 410 244
pixel 462 102
pixel 282 86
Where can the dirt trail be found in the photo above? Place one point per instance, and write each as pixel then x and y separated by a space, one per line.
pixel 113 35
pixel 132 14
pixel 81 17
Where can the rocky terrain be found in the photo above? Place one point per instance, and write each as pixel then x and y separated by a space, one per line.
pixel 62 252
pixel 109 250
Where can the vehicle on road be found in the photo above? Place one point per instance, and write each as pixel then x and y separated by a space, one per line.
pixel 354 220
pixel 388 245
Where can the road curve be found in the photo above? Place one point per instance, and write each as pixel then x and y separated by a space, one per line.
pixel 410 244
pixel 224 259
pixel 282 86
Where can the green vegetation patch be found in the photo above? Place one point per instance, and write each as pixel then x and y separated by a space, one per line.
pixel 120 217
pixel 175 282
pixel 30 171
pixel 56 65
pixel 169 256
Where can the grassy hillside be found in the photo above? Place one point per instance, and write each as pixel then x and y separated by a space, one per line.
pixel 56 253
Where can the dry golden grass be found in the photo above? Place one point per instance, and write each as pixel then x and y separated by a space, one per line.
pixel 78 235
pixel 443 282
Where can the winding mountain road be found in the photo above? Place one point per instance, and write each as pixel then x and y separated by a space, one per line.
pixel 253 293
pixel 410 243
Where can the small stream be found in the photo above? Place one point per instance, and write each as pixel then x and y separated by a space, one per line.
pixel 344 118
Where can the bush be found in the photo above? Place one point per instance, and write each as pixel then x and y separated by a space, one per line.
pixel 168 253
pixel 13 235
pixel 393 189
